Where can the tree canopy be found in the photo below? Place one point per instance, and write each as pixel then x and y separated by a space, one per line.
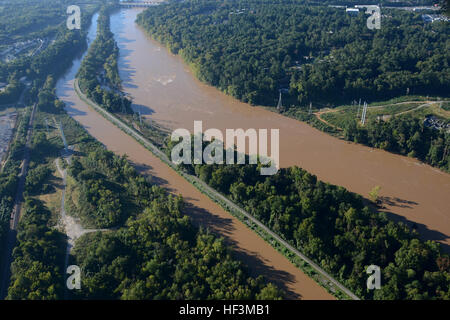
pixel 333 227
pixel 252 49
pixel 98 75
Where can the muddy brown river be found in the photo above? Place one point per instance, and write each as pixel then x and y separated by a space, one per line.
pixel 164 90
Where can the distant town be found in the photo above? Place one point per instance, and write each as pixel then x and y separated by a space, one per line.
pixel 23 48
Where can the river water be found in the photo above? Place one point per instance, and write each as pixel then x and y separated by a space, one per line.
pixel 164 90
pixel 248 247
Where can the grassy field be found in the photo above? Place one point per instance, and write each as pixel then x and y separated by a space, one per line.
pixel 46 122
pixel 149 129
pixel 313 120
pixel 419 107
pixel 52 199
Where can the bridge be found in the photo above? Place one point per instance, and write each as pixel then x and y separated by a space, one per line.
pixel 139 4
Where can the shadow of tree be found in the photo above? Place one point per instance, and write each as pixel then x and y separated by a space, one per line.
pixel 423 231
pixel 397 202
pixel 253 261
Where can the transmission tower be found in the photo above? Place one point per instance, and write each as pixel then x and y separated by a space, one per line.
pixel 363 117
pixel 46 124
pixel 359 106
pixel 279 105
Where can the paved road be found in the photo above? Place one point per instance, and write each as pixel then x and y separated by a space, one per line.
pixel 15 214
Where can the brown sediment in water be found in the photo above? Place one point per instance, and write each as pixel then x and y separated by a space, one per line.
pixel 250 248
pixel 166 91
pixel 247 246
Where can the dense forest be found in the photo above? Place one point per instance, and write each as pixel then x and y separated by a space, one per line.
pixel 161 256
pixel 406 135
pixel 38 258
pixel 252 49
pixel 333 227
pixel 45 20
pixel 158 254
pixel 39 19
pixel 13 90
pixel 98 75
pixel 102 201
pixel 28 19
pixel 9 175
pixel 37 271
pixel 151 251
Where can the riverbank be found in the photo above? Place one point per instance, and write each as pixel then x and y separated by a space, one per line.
pixel 247 246
pixel 166 91
pixel 417 128
pixel 306 264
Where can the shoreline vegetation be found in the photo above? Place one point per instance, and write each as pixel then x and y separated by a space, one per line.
pixel 307 71
pixel 336 229
pixel 161 254
pixel 407 246
pixel 413 269
pixel 58 45
pixel 98 74
pixel 154 252
pixel 39 69
pixel 403 284
pixel 226 204
pixel 9 177
pixel 397 127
